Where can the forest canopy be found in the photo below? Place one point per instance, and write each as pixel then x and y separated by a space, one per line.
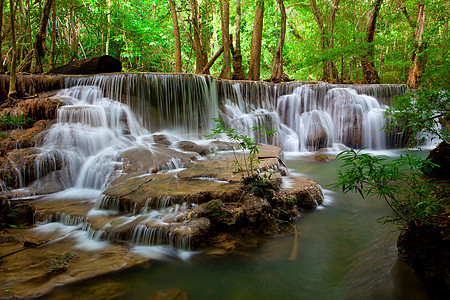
pixel 370 41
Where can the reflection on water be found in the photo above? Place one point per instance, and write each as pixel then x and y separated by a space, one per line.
pixel 343 253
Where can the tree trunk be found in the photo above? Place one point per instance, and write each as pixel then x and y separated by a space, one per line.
pixel 53 42
pixel 255 51
pixel 74 44
pixel 367 61
pixel 176 34
pixel 211 62
pixel 200 55
pixel 108 28
pixel 418 57
pixel 12 79
pixel 329 70
pixel 39 52
pixel 226 67
pixel 238 73
pixel 2 70
pixel 277 69
pixel 330 35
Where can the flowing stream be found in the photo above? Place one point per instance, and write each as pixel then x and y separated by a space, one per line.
pixel 343 253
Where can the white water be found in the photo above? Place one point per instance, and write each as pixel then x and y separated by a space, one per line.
pixel 108 115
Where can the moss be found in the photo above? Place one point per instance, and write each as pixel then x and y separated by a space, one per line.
pixel 10 239
pixel 59 263
pixel 321 157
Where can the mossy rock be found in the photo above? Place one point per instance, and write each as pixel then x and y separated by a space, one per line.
pixel 321 157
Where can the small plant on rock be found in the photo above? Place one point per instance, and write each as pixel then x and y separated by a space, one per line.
pixel 252 179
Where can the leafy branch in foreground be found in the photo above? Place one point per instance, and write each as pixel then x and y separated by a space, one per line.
pixel 248 165
pixel 425 111
pixel 399 182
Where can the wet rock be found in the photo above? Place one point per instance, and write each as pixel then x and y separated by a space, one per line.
pixel 153 160
pixel 192 147
pixel 257 211
pixel 37 108
pixel 16 212
pixel 304 192
pixel 425 247
pixel 317 135
pixel 11 239
pixel 170 294
pixel 162 139
pixel 441 157
pixel 321 157
pixel 59 264
pixel 218 213
pixel 23 166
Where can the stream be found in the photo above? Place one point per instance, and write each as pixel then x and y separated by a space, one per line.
pixel 343 253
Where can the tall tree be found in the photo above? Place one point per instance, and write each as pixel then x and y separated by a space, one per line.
pixel 12 79
pixel 53 40
pixel 326 31
pixel 176 34
pixel 238 73
pixel 200 54
pixel 1 27
pixel 367 61
pixel 417 58
pixel 277 69
pixel 108 28
pixel 38 49
pixel 255 50
pixel 225 21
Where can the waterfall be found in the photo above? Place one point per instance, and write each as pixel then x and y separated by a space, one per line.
pixel 180 103
pixel 307 116
pixel 90 133
pixel 109 119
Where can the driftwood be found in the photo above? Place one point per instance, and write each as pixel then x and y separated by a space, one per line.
pixel 94 65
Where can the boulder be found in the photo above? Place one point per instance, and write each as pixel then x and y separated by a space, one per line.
pixel 192 147
pixel 441 157
pixel 93 65
pixel 425 247
pixel 23 166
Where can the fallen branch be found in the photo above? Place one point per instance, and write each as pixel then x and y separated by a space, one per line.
pixel 295 247
pixel 212 61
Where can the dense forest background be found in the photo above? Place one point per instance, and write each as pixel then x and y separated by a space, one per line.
pixel 368 41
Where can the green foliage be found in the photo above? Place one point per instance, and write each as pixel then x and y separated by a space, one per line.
pixel 399 182
pixel 248 165
pixel 13 122
pixel 422 111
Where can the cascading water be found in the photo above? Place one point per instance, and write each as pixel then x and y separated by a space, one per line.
pixel 89 134
pixel 108 117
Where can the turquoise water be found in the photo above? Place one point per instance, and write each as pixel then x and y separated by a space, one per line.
pixel 343 253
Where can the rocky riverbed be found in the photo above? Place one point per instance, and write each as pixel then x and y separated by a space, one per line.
pixel 174 194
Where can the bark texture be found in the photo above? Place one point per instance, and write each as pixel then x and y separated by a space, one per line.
pixel 200 55
pixel 418 58
pixel 1 28
pixel 12 81
pixel 38 49
pixel 367 62
pixel 238 73
pixel 255 51
pixel 277 69
pixel 226 67
pixel 176 34
pixel 329 70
